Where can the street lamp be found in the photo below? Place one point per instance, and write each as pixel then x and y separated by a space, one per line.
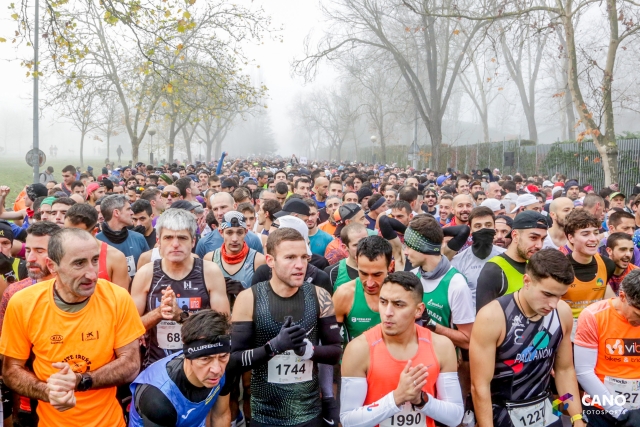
pixel 151 133
pixel 374 139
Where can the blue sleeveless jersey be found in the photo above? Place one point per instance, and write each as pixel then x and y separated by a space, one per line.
pixel 190 414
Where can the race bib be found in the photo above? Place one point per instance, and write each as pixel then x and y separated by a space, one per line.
pixel 169 336
pixel 406 418
pixel 628 388
pixel 535 415
pixel 288 368
pixel 131 266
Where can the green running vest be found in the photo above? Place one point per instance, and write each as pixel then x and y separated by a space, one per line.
pixel 436 302
pixel 514 277
pixel 361 318
pixel 343 275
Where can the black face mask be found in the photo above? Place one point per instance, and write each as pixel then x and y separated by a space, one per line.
pixel 483 242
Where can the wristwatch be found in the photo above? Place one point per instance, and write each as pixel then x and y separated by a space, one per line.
pixel 86 382
pixel 184 315
pixel 421 404
pixel 431 325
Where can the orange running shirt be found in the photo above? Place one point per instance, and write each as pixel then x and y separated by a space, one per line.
pixel 582 294
pixel 384 370
pixel 602 328
pixel 86 340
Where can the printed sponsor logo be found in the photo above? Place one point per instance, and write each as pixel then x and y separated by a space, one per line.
pixel 56 339
pixel 560 404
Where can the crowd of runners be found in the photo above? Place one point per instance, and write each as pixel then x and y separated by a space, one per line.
pixel 271 293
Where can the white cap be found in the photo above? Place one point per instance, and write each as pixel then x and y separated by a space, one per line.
pixel 547 184
pixel 557 189
pixel 493 204
pixel 289 221
pixel 524 200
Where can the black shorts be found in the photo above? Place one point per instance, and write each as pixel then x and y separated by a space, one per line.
pixel 7 400
pixel 315 422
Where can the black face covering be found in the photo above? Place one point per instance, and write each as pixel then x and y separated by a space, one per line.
pixel 482 242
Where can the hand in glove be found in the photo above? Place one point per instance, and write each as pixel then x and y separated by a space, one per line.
pixel 6 268
pixel 629 419
pixel 290 337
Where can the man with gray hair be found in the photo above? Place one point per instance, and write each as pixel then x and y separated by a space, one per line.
pixel 118 215
pixel 169 290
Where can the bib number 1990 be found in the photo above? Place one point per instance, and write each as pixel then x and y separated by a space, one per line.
pixel 405 418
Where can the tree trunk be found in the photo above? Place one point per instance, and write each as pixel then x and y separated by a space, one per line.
pixel 108 143
pixel 82 148
pixel 484 116
pixel 135 147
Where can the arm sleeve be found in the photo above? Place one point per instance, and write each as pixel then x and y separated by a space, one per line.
pixel 448 408
pixel 329 351
pixel 390 227
pixel 490 285
pixel 155 409
pixel 585 361
pixel 261 274
pixel 243 357
pixel 353 414
pixel 460 234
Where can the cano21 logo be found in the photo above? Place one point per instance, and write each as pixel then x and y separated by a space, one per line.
pixel 560 404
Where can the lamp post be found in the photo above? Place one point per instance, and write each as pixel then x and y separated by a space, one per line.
pixel 374 139
pixel 151 133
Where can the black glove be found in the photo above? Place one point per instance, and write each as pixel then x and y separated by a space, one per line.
pixel 460 235
pixel 289 338
pixel 629 419
pixel 390 227
pixel 6 268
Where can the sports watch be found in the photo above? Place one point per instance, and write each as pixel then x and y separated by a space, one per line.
pixel 86 382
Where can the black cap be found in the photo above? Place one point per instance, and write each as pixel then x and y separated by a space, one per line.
pixel 37 190
pixel 507 219
pixel 182 204
pixel 530 219
pixel 296 206
pixel 228 183
pixel 364 192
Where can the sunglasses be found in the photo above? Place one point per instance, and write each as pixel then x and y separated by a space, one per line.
pixel 431 196
pixel 166 194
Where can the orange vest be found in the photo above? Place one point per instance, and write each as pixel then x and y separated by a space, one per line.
pixel 384 371
pixel 582 294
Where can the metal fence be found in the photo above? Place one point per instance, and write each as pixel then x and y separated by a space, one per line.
pixel 579 161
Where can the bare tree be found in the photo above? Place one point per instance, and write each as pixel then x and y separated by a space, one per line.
pixel 428 51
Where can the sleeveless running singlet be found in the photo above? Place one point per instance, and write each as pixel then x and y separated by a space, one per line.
pixel 343 274
pixel 582 294
pixel 285 390
pixel 436 302
pixel 361 318
pixel 103 273
pixel 514 277
pixel 190 414
pixel 384 373
pixel 246 272
pixel 192 296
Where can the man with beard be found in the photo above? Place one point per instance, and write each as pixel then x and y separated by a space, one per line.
pixel 471 262
pixel 503 273
pixel 558 211
pixel 188 189
pixel 620 250
pixel 282 329
pixel 430 204
pixel 444 209
pixel 356 302
pixel 325 216
pixel 572 190
pixel 504 225
pixel 320 189
pixel 461 207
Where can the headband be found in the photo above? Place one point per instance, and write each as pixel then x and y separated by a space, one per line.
pixel 48 201
pixel 204 348
pixel 419 243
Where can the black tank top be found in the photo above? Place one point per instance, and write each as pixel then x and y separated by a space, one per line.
pixel 285 403
pixel 192 295
pixel 526 356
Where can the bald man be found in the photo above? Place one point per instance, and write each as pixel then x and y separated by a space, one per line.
pixel 461 209
pixel 495 191
pixel 558 211
pixel 320 190
pixel 221 203
pixel 594 204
